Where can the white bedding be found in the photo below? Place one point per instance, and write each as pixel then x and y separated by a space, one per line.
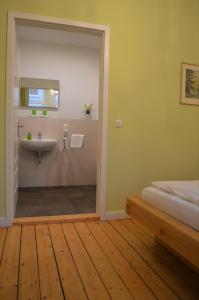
pixel 187 190
pixel 184 211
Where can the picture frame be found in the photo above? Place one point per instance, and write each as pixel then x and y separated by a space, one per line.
pixel 189 84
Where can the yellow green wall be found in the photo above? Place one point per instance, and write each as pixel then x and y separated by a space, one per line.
pixel 148 41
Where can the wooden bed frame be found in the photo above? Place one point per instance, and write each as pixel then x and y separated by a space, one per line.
pixel 176 236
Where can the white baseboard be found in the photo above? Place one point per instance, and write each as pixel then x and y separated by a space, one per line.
pixel 115 215
pixel 4 222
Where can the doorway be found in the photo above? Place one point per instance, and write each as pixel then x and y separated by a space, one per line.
pixel 16 19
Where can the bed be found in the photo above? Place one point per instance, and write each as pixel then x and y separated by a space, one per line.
pixel 173 220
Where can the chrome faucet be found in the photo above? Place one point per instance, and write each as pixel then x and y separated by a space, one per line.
pixel 39 135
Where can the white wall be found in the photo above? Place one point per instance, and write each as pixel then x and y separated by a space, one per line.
pixel 76 68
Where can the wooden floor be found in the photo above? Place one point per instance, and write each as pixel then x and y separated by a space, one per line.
pixel 90 260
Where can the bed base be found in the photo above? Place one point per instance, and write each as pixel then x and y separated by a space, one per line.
pixel 176 236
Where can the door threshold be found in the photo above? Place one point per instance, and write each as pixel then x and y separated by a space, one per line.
pixel 56 219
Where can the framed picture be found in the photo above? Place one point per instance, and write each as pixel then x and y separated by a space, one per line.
pixel 190 84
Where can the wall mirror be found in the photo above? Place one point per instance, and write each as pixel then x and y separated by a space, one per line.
pixel 39 93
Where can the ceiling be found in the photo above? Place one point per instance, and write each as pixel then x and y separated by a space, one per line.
pixel 55 36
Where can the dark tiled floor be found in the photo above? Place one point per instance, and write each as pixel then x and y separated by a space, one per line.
pixel 49 201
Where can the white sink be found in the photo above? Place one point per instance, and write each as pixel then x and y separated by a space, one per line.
pixel 39 145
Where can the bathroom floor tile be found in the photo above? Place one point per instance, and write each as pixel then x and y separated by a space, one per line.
pixel 49 201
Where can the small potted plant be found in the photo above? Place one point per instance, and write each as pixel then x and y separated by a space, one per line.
pixel 88 109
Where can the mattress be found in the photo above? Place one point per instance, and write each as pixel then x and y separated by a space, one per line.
pixel 182 210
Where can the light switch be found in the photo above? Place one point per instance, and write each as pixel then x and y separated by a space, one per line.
pixel 118 123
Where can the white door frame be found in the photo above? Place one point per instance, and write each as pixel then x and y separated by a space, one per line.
pixel 13 18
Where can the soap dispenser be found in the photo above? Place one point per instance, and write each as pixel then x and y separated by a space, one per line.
pixel 29 136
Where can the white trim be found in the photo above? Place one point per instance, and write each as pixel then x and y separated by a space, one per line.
pixel 4 222
pixel 116 215
pixel 53 22
pixel 103 130
pixel 9 119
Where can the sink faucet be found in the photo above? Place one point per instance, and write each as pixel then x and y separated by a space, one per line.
pixel 39 135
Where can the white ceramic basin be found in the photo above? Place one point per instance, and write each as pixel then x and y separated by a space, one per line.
pixel 39 145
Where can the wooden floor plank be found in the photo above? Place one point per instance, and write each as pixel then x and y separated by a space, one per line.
pixel 10 264
pixel 133 281
pixel 71 282
pixel 90 260
pixel 171 279
pixel 113 282
pixel 49 278
pixel 28 272
pixel 158 286
pixel 3 232
pixel 92 282
pixel 186 273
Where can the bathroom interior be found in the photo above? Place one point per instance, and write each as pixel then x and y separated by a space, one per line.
pixel 57 109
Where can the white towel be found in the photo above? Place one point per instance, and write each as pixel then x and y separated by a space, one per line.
pixel 76 140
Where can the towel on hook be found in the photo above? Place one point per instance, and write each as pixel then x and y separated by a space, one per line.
pixel 77 140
